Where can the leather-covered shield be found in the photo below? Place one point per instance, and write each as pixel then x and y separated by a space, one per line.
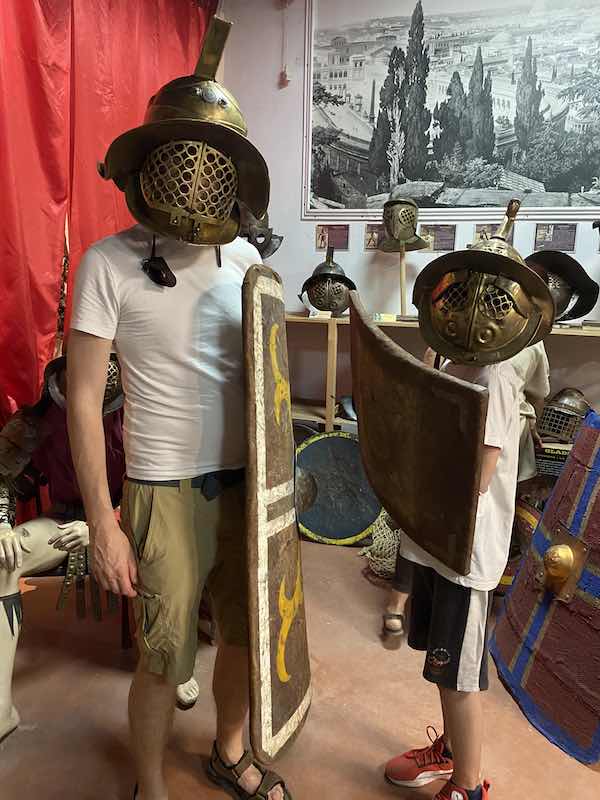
pixel 280 683
pixel 547 644
pixel 421 433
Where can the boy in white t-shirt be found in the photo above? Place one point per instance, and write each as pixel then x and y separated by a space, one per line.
pixel 478 308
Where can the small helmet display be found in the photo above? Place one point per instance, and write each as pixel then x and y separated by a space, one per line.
pixel 563 415
pixel 185 170
pixel 400 219
pixel 328 288
pixel 484 304
pixel 258 232
pixel 575 294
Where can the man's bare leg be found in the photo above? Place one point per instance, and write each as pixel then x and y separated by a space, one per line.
pixel 463 734
pixel 151 707
pixel 232 697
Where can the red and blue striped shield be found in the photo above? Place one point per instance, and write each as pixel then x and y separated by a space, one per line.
pixel 547 645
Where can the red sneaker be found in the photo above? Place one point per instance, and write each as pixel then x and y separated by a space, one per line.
pixel 453 792
pixel 419 767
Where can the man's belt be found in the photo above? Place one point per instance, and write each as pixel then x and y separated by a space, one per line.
pixel 211 484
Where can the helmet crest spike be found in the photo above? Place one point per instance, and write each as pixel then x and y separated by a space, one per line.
pixel 212 49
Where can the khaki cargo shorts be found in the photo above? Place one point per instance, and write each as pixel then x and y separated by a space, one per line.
pixel 184 542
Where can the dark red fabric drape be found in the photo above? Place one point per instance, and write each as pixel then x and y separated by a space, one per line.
pixel 122 53
pixel 35 47
pixel 73 75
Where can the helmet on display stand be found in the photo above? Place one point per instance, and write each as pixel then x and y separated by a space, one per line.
pixel 484 304
pixel 328 288
pixel 186 169
pixel 400 218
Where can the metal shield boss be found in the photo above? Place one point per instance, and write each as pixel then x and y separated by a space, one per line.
pixel 421 433
pixel 547 644
pixel 280 683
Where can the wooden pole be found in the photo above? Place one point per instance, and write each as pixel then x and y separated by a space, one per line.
pixel 402 280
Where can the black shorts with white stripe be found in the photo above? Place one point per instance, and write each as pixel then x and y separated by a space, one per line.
pixel 450 623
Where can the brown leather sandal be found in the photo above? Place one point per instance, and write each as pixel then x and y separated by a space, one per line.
pixel 227 776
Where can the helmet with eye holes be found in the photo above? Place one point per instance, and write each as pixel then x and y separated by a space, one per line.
pixel 483 305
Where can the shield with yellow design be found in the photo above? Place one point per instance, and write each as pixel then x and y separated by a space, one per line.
pixel 547 643
pixel 280 685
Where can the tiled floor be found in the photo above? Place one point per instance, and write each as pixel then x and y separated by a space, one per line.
pixel 370 703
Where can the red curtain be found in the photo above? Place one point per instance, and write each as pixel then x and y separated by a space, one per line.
pixel 73 75
pixel 35 43
pixel 123 53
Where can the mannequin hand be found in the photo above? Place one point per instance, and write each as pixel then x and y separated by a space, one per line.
pixel 11 548
pixel 113 560
pixel 72 536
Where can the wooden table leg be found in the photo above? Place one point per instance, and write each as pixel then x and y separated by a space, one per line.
pixel 331 378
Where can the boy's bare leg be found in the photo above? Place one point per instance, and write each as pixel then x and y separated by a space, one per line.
pixel 231 692
pixel 395 605
pixel 463 734
pixel 151 706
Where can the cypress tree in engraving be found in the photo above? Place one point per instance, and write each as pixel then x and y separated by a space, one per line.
pixel 416 117
pixel 384 150
pixel 529 97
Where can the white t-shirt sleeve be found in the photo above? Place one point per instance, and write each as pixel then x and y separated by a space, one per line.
pixel 501 402
pixel 96 302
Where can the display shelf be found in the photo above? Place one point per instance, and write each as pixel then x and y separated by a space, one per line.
pixel 557 330
pixel 313 412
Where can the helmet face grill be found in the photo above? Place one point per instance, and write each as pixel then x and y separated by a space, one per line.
pixel 454 298
pixel 558 425
pixel 495 303
pixel 329 294
pixel 190 179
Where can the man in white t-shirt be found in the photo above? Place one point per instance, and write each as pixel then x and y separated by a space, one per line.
pixel 478 308
pixel 167 296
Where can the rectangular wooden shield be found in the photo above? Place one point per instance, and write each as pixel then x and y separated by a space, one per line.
pixel 421 433
pixel 280 685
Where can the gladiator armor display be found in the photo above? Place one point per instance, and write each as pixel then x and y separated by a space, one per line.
pixel 563 416
pixel 34 452
pixel 328 288
pixel 483 305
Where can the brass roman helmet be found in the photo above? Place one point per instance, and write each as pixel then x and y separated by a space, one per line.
pixel 483 305
pixel 185 170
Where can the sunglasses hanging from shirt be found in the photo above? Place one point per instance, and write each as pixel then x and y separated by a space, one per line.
pixel 159 272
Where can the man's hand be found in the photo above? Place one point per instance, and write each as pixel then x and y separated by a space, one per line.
pixel 71 536
pixel 113 561
pixel 11 548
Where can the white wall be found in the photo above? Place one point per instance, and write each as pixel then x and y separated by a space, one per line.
pixel 275 122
